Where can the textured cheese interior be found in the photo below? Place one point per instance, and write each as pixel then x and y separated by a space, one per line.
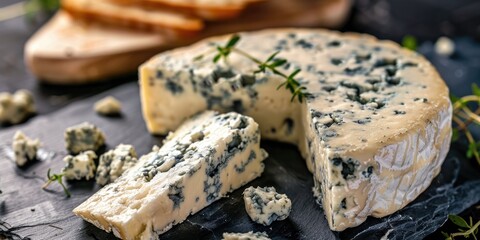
pixel 133 208
pixel 371 100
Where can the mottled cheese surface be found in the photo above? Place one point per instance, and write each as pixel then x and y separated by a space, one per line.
pixel 81 166
pixel 265 205
pixel 246 236
pixel 15 108
pixel 24 148
pixel 114 163
pixel 207 157
pixel 83 137
pixel 374 133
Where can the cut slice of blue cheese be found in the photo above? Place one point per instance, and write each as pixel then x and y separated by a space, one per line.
pixel 206 158
pixel 374 133
pixel 265 205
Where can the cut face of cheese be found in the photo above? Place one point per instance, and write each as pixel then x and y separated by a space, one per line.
pixel 206 158
pixel 374 131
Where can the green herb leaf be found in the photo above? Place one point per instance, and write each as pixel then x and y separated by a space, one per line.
pixel 454 98
pixel 217 57
pixel 198 58
pixel 233 41
pixel 455 135
pixel 459 221
pixel 472 149
pixel 272 63
pixel 56 178
pixel 409 42
pixel 475 89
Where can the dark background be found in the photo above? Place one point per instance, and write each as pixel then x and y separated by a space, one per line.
pixel 386 19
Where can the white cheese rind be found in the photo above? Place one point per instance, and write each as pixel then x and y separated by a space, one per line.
pixel 24 148
pixel 246 236
pixel 265 205
pixel 81 166
pixel 114 163
pixel 207 157
pixel 372 102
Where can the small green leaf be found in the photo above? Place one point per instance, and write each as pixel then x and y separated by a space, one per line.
pixel 455 135
pixel 233 41
pixel 409 42
pixel 454 98
pixel 278 63
pixel 472 148
pixel 294 73
pixel 217 57
pixel 198 58
pixel 475 89
pixel 273 56
pixel 445 235
pixel 457 220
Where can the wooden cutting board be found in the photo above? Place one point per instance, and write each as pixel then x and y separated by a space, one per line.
pixel 66 51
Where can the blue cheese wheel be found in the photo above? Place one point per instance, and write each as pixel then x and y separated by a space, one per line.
pixel 206 158
pixel 374 131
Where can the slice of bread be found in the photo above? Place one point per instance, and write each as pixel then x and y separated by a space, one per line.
pixel 206 9
pixel 133 17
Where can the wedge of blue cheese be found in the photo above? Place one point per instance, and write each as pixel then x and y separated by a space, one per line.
pixel 209 156
pixel 246 236
pixel 114 163
pixel 374 131
pixel 264 205
pixel 24 148
pixel 15 108
pixel 81 166
pixel 83 137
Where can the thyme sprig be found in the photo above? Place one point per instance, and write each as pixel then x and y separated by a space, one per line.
pixel 466 229
pixel 272 63
pixel 56 178
pixel 464 116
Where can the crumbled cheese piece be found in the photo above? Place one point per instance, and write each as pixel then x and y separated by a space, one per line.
pixel 80 166
pixel 265 205
pixel 83 137
pixel 108 106
pixel 17 107
pixel 444 46
pixel 246 236
pixel 24 148
pixel 114 163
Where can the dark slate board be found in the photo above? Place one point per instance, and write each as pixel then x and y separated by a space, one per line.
pixel 42 214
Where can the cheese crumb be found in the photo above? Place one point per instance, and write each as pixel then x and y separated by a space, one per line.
pixel 108 106
pixel 80 166
pixel 15 108
pixel 444 47
pixel 24 148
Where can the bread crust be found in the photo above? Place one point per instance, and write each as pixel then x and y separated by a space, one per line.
pixel 131 17
pixel 207 12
